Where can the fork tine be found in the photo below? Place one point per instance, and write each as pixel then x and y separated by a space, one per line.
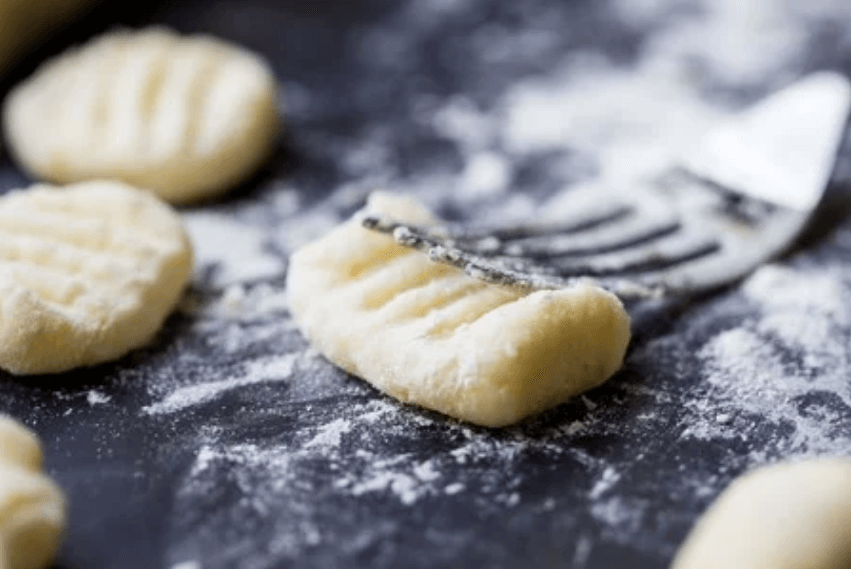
pixel 636 230
pixel 577 224
pixel 585 216
pixel 740 250
pixel 642 258
pixel 687 230
pixel 678 262
pixel 500 271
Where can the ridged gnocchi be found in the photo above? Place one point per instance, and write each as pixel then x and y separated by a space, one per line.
pixel 32 507
pixel 428 334
pixel 187 117
pixel 88 272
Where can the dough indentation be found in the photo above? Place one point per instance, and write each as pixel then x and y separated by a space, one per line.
pixel 398 276
pixel 186 117
pixel 430 335
pixel 80 287
pixel 431 297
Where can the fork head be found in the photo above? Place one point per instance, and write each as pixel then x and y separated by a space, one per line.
pixel 685 235
pixel 735 203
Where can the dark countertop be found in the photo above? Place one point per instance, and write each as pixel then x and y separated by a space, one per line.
pixel 229 443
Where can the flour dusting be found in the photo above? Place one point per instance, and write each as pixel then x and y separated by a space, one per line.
pixel 95 397
pixel 351 448
pixel 234 251
pixel 785 366
pixel 752 374
pixel 276 368
pixel 192 564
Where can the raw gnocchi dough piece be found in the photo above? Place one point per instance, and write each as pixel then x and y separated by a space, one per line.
pixel 793 515
pixel 32 507
pixel 88 272
pixel 187 117
pixel 429 335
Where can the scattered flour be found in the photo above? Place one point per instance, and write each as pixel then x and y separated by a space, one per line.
pixel 275 368
pixel 619 514
pixel 95 397
pixel 779 288
pixel 486 174
pixel 749 371
pixel 609 478
pixel 779 369
pixel 236 252
pixel 353 448
pixel 329 435
pixel 192 564
pixel 304 228
pixel 241 304
pixel 615 125
pixel 635 123
pixel 732 41
pixel 462 122
pixel 402 485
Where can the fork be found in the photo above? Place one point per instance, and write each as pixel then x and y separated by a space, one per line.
pixel 740 199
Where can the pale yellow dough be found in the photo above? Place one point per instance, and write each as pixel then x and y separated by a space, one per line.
pixel 187 117
pixel 32 507
pixel 429 335
pixel 794 515
pixel 88 272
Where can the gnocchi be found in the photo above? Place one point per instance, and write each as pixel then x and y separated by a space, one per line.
pixel 785 516
pixel 87 273
pixel 186 117
pixel 32 507
pixel 428 334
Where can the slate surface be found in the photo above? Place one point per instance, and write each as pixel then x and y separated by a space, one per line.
pixel 228 443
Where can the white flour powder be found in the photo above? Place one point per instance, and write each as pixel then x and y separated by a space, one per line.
pixel 601 122
pixel 234 251
pixel 801 314
pixel 275 368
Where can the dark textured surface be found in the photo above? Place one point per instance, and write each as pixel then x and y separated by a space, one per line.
pixel 227 443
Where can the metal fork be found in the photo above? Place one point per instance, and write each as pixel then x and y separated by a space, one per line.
pixel 740 199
